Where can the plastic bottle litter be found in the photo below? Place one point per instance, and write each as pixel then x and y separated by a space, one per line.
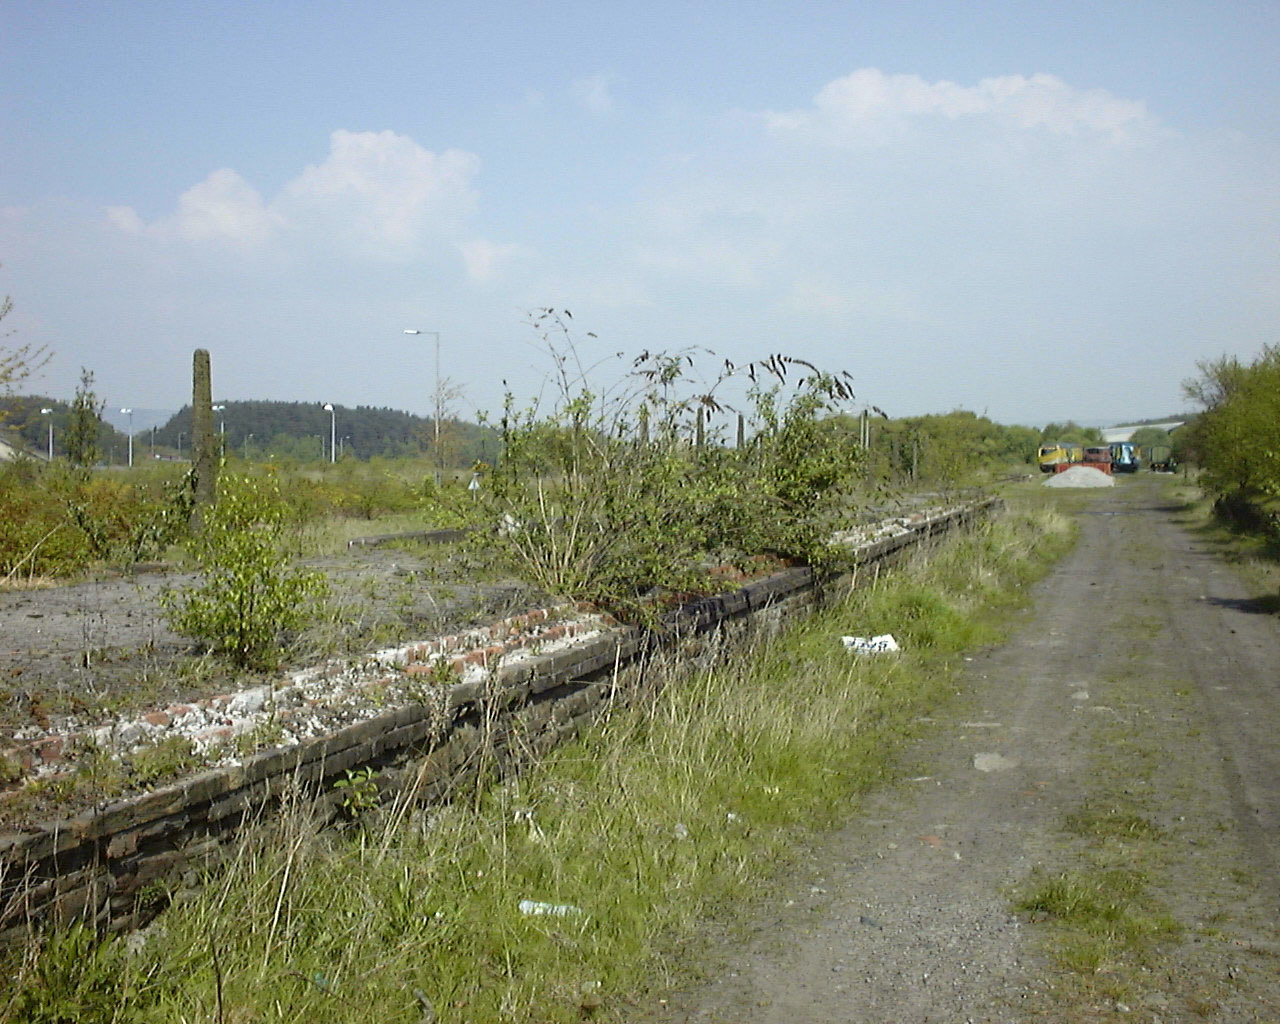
pixel 534 908
pixel 871 645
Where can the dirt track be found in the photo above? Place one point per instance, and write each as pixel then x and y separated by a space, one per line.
pixel 1144 686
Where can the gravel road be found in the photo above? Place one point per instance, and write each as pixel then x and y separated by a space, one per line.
pixel 1145 677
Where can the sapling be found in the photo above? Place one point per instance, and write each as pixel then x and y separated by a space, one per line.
pixel 250 594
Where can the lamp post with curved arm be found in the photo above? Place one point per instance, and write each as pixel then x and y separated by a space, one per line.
pixel 129 413
pixel 49 413
pixel 222 427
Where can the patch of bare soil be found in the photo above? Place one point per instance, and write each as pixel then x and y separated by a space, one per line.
pixel 101 647
pixel 1129 722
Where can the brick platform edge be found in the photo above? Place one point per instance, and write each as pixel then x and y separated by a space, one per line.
pixel 116 867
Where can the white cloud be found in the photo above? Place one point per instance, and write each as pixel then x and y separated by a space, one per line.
pixel 126 219
pixel 383 188
pixel 593 94
pixel 868 105
pixel 990 216
pixel 377 193
pixel 486 260
pixel 224 207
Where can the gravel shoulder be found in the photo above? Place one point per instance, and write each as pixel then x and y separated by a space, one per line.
pixel 1143 681
pixel 95 648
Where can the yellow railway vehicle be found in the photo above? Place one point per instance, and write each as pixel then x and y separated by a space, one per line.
pixel 1055 453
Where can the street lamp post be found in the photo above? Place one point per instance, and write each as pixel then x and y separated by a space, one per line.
pixel 333 431
pixel 439 404
pixel 49 413
pixel 129 413
pixel 222 428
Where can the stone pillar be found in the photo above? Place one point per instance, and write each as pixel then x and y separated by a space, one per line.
pixel 204 458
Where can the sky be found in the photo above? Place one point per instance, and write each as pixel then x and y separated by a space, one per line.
pixel 1033 211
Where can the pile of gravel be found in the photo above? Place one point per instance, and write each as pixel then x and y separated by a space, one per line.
pixel 1081 476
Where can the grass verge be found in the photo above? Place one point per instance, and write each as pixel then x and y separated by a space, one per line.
pixel 1255 555
pixel 622 843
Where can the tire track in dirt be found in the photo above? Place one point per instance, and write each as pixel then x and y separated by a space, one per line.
pixel 904 916
pixel 1226 642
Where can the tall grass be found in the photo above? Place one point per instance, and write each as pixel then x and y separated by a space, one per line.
pixel 662 816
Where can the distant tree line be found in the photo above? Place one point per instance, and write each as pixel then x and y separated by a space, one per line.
pixel 304 431
pixel 298 431
pixel 79 431
pixel 957 447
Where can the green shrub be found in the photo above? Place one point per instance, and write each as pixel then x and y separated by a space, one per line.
pixel 36 536
pixel 58 520
pixel 620 495
pixel 1237 439
pixel 250 593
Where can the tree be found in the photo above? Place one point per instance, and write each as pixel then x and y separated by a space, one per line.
pixel 952 448
pixel 1146 437
pixel 1237 438
pixel 17 364
pixel 1071 433
pixel 82 432
pixel 1219 379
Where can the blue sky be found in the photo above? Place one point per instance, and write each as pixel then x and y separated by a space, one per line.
pixel 1038 211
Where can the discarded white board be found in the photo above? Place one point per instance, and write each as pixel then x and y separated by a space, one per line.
pixel 871 645
pixel 536 908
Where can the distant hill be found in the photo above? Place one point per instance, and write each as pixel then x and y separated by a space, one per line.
pixel 143 419
pixel 303 430
pixel 21 417
pixel 258 429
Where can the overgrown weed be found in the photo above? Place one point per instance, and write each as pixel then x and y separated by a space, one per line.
pixel 1256 555
pixel 654 821
pixel 1106 918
